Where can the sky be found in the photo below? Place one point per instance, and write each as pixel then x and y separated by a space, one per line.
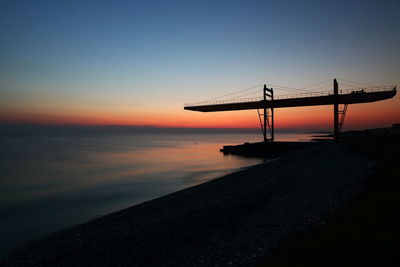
pixel 138 62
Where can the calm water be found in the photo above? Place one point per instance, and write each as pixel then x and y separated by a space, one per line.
pixel 47 183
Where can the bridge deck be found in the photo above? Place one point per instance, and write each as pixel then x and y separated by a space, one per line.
pixel 350 96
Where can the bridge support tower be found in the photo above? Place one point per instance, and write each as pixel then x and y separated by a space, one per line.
pixel 267 124
pixel 337 122
pixel 336 111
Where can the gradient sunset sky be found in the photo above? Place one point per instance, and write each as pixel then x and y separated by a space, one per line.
pixel 137 62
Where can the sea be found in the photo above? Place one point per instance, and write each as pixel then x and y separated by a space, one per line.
pixel 51 182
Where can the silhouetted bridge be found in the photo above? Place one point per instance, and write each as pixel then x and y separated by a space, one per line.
pixel 268 103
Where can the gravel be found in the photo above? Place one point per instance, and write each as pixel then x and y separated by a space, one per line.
pixel 234 220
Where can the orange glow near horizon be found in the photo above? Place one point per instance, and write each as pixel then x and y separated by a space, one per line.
pixel 105 65
pixel 368 115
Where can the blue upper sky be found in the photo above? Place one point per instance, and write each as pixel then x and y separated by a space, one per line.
pixel 180 51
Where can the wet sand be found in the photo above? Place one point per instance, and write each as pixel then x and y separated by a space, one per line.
pixel 233 220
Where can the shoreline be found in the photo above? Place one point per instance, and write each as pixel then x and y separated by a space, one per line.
pixel 235 219
pixel 363 232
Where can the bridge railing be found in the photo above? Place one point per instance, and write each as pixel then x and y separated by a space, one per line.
pixel 296 95
pixel 367 90
pixel 225 101
pixel 341 92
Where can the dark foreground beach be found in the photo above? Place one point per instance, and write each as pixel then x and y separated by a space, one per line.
pixel 238 219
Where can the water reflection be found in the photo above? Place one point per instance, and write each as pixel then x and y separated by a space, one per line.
pixel 47 183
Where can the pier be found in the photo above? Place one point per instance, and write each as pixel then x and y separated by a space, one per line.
pixel 268 103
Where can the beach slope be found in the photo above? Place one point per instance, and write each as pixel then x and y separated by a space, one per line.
pixel 233 220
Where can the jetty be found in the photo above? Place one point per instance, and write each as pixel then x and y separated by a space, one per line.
pixel 268 103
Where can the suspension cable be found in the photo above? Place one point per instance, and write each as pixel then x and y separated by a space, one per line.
pixel 235 92
pixel 358 83
pixel 289 89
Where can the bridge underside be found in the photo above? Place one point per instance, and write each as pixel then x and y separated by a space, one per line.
pixel 352 98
